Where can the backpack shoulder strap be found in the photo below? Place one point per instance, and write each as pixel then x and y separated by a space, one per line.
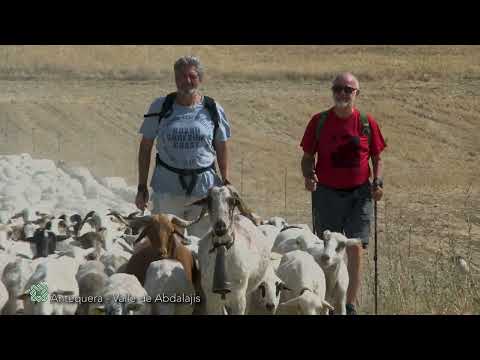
pixel 321 121
pixel 166 107
pixel 211 106
pixel 365 126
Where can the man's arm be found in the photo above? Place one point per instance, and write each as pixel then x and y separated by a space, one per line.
pixel 377 165
pixel 144 154
pixel 308 171
pixel 222 158
pixel 308 163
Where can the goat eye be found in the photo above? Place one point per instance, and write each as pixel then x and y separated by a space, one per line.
pixel 262 288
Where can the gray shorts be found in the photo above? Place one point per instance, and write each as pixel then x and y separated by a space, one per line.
pixel 348 212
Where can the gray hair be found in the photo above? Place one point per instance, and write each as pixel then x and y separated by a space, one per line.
pixel 189 61
pixel 346 75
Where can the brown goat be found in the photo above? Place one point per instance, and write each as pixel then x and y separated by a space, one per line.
pixel 164 232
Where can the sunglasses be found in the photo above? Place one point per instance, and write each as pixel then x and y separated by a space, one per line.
pixel 346 89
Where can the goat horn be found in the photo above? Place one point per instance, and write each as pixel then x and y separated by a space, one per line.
pixel 85 219
pixel 244 210
pixel 327 305
pixel 142 235
pixel 117 215
pixel 143 220
pixel 185 223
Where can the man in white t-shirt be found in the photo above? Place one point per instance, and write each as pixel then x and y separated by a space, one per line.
pixel 192 131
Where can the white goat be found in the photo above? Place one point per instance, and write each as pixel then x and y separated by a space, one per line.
pixel 306 280
pixel 271 232
pixel 3 296
pixel 276 221
pixel 295 239
pixel 123 295
pixel 332 261
pixel 265 298
pixel 166 279
pixel 91 280
pixel 15 276
pixel 62 287
pixel 246 258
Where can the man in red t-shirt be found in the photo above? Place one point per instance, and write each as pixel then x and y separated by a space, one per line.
pixel 339 178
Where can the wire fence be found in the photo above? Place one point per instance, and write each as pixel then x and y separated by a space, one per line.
pixel 269 187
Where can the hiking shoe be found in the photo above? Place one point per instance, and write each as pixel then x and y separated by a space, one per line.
pixel 351 309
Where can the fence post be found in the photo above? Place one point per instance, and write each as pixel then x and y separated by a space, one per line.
pixel 33 141
pixel 285 186
pixel 241 178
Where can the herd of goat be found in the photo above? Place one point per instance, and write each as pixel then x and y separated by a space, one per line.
pixel 115 264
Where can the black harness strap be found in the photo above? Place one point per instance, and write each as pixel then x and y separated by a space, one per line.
pixel 186 172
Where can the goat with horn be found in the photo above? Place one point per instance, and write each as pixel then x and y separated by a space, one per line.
pixel 233 255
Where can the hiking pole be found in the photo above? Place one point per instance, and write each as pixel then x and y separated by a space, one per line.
pixel 313 214
pixel 375 258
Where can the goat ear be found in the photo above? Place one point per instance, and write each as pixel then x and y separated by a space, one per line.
pixel 23 296
pixel 179 229
pixel 295 302
pixel 353 242
pixel 326 305
pixel 326 235
pixel 142 235
pixel 283 286
pixel 134 307
pixel 244 210
pixel 201 202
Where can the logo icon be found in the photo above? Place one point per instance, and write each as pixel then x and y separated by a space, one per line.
pixel 39 292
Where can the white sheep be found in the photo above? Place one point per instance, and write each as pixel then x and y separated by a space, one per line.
pixel 307 282
pixel 332 261
pixel 246 258
pixel 166 279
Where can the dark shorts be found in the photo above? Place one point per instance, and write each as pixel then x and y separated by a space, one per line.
pixel 348 212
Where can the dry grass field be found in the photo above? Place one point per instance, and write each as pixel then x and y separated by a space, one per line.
pixel 84 104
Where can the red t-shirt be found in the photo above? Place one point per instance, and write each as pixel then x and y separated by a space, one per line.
pixel 342 150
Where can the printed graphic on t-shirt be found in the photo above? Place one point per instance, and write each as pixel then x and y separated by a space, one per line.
pixel 347 155
pixel 185 138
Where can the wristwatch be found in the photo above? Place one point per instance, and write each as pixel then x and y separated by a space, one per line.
pixel 378 183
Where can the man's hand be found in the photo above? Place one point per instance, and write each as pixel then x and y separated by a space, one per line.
pixel 311 183
pixel 141 199
pixel 377 193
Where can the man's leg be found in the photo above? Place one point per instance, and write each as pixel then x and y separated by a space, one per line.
pixel 328 211
pixel 168 204
pixel 354 254
pixel 357 226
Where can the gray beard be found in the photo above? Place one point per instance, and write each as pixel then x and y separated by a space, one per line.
pixel 188 92
pixel 342 104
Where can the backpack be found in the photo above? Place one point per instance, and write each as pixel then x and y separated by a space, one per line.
pixel 209 103
pixel 323 117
